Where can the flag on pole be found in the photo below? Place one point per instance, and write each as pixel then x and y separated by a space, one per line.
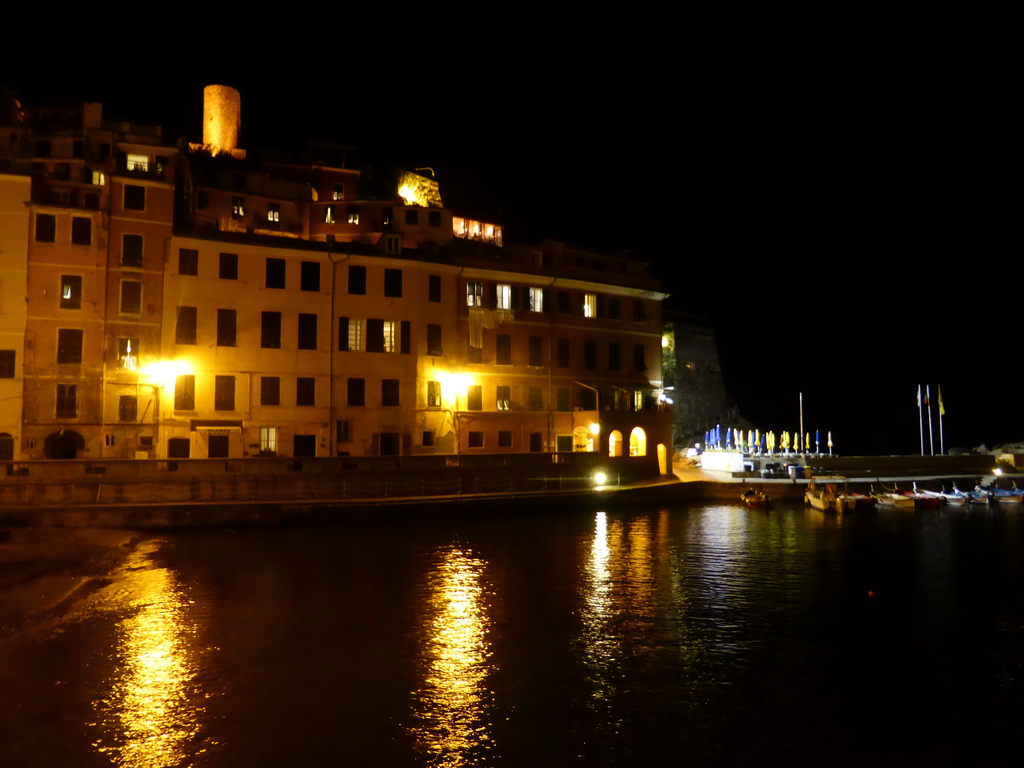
pixel 918 395
pixel 927 394
pixel 942 408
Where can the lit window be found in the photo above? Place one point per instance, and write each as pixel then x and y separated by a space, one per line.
pixel 329 215
pixel 338 193
pixel 273 212
pixel 128 354
pixel 353 214
pixel 638 400
pixel 504 398
pixel 474 294
pixel 98 178
pixel 237 207
pixel 70 292
pixel 268 440
pixel 390 336
pixel 356 334
pixel 433 394
pixel 503 296
pixel 590 305
pixel 137 162
pixel 536 299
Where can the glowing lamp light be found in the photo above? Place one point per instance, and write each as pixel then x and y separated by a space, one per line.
pixel 164 372
pixel 997 471
pixel 600 478
pixel 595 428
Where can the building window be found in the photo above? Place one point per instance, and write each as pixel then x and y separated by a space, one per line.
pixel 46 228
pixel 613 308
pixel 412 217
pixel 185 393
pixel 268 441
pixel 357 280
pixel 270 330
pixel 7 358
pixel 504 438
pixel 503 398
pixel 338 193
pixel 185 329
pixel 474 398
pixel 67 401
pixel 536 351
pixel 433 394
pixel 476 439
pixel 188 261
pixel 224 393
pixel 309 279
pixel 357 391
pixel 227 324
pixel 536 442
pixel 434 288
pixel 536 398
pixel 614 356
pixel 638 400
pixel 228 266
pixel 127 408
pixel 639 363
pixel 474 294
pixel 562 353
pixel 273 213
pixel 503 349
pixel 329 215
pixel 307 331
pixel 69 346
pixel 218 447
pixel 590 305
pixel 374 335
pixel 353 214
pixel 98 178
pixel 131 297
pixel 70 292
pixel 134 197
pixel 304 445
pixel 137 162
pixel 536 299
pixel 562 399
pixel 434 218
pixel 389 392
pixel 305 390
pixel 503 296
pixel 81 230
pixel 434 345
pixel 343 431
pixel 237 207
pixel 639 311
pixel 270 390
pixel 393 283
pixel 131 250
pixel 563 303
pixel 179 447
pixel 350 334
pixel 428 439
pixel 590 354
pixel 275 273
pixel 391 336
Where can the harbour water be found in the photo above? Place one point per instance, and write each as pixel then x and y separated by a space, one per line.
pixel 691 635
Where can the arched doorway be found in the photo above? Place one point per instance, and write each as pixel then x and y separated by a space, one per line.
pixel 663 458
pixel 615 443
pixel 637 442
pixel 63 445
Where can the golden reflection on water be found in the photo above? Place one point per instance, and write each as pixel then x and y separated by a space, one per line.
pixel 454 701
pixel 150 718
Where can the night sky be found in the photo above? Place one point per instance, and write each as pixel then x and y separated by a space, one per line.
pixel 845 211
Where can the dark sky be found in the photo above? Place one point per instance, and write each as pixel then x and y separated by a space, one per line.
pixel 846 211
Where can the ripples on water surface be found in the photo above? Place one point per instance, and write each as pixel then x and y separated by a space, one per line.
pixel 709 635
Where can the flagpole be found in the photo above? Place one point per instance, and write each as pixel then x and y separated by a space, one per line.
pixel 802 417
pixel 920 418
pixel 942 412
pixel 928 402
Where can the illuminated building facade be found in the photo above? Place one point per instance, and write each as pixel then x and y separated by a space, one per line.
pixel 205 305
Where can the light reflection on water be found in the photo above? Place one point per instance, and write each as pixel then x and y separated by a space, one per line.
pixel 150 718
pixel 453 706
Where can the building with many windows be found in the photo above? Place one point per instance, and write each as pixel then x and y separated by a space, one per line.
pixel 202 304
